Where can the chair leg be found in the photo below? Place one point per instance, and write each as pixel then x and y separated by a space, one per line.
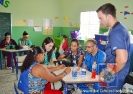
pixel 5 61
pixel 17 68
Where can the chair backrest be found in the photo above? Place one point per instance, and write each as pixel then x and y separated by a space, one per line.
pixel 20 60
pixel 17 90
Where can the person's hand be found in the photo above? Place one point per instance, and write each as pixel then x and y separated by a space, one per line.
pixel 67 70
pixel 102 73
pixel 64 59
pixel 78 68
pixel 49 66
pixel 61 66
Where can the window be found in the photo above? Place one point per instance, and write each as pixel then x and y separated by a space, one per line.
pixel 89 24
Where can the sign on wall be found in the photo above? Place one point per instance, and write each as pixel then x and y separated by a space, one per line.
pixel 47 27
pixel 5 3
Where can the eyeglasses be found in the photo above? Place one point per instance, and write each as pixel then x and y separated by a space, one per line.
pixel 7 37
pixel 89 46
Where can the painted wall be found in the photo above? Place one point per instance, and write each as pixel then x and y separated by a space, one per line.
pixel 39 9
pixel 36 10
pixel 73 8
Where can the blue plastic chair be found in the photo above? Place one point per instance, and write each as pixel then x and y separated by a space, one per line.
pixel 3 60
pixel 17 90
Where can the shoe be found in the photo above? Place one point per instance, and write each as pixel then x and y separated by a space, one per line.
pixel 62 88
pixel 9 67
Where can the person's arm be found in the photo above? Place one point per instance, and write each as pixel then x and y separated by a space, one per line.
pixel 52 69
pixel 80 60
pixel 64 54
pixel 61 56
pixel 81 57
pixel 14 42
pixel 29 43
pixel 46 74
pixel 2 45
pixel 20 44
pixel 121 59
pixel 119 47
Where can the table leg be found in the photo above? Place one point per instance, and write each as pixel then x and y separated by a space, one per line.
pixel 12 63
pixel 16 68
pixel 65 88
pixel 1 60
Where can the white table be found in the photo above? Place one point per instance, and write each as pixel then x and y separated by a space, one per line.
pixel 11 51
pixel 69 80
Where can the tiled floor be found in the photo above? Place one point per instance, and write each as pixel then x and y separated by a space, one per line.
pixel 7 79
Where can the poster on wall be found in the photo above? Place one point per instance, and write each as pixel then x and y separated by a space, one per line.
pixel 30 22
pixel 37 28
pixel 47 27
pixel 20 23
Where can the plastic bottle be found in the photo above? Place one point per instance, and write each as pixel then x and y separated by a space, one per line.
pixel 83 70
pixel 74 71
pixel 94 66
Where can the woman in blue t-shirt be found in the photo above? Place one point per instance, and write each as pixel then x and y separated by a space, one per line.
pixel 34 76
pixel 48 47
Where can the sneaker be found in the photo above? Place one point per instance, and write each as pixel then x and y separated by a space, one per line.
pixel 9 67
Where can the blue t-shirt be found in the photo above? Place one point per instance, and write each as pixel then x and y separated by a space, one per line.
pixel 99 57
pixel 30 84
pixel 118 39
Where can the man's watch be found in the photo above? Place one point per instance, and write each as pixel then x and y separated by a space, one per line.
pixel 64 73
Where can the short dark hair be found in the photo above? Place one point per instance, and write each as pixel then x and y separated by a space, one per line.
pixel 92 41
pixel 29 59
pixel 75 40
pixel 107 8
pixel 25 33
pixel 6 34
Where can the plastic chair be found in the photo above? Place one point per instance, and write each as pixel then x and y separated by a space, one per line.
pixel 17 90
pixel 3 60
pixel 19 62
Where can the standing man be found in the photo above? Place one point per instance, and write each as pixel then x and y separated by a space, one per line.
pixel 118 45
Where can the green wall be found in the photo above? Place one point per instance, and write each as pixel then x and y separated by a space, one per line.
pixel 41 9
pixel 36 37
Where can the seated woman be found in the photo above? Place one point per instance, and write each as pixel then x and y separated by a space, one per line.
pixel 74 53
pixel 35 76
pixel 48 47
pixel 24 41
pixel 3 44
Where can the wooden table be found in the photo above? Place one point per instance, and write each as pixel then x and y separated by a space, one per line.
pixel 11 51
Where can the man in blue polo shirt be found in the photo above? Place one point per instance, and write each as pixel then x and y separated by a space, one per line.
pixel 93 55
pixel 117 48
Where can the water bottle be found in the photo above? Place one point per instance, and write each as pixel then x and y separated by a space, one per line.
pixel 74 71
pixel 83 70
pixel 94 66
